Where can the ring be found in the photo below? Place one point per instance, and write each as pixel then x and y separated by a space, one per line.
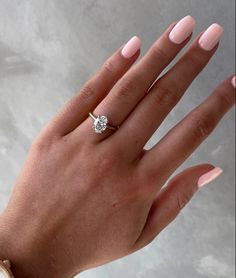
pixel 101 124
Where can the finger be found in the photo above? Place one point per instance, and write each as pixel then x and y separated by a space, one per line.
pixel 184 138
pixel 77 109
pixel 166 93
pixel 134 85
pixel 173 198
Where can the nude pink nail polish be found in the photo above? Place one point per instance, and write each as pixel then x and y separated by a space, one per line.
pixel 182 30
pixel 209 177
pixel 211 37
pixel 233 82
pixel 131 48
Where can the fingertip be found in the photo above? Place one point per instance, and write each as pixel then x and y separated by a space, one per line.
pixel 211 37
pixel 131 47
pixel 233 81
pixel 209 177
pixel 182 30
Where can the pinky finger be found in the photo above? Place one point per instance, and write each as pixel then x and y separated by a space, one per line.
pixel 172 199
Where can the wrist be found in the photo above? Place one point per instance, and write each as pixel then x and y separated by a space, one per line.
pixel 9 249
pixel 26 256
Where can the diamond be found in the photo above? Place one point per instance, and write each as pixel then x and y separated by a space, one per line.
pixel 100 124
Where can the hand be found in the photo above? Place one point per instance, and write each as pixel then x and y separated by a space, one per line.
pixel 83 199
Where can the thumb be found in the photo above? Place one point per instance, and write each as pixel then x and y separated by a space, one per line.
pixel 173 198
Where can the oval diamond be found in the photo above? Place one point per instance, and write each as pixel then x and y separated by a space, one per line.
pixel 100 124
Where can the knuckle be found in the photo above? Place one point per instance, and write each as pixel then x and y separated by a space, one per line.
pixel 103 166
pixel 86 93
pixel 160 53
pixel 148 177
pixel 109 68
pixel 183 199
pixel 203 126
pixel 125 88
pixel 226 99
pixel 109 157
pixel 195 61
pixel 42 144
pixel 164 96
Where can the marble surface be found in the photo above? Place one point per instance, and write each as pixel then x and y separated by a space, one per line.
pixel 48 49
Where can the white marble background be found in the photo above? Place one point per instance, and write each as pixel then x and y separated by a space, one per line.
pixel 48 49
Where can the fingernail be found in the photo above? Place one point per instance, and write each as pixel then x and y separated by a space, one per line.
pixel 182 30
pixel 131 48
pixel 211 37
pixel 234 82
pixel 209 177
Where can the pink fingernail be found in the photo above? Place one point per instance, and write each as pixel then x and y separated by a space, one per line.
pixel 131 48
pixel 234 82
pixel 182 30
pixel 211 37
pixel 209 177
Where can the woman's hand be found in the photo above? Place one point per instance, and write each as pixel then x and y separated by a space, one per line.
pixel 84 199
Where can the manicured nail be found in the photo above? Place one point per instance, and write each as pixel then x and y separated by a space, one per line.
pixel 131 47
pixel 211 37
pixel 234 82
pixel 182 30
pixel 209 177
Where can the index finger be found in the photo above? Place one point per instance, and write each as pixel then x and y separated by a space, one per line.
pixel 185 137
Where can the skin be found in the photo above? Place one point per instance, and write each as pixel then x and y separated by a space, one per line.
pixel 82 199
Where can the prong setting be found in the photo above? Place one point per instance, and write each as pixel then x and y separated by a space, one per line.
pixel 100 124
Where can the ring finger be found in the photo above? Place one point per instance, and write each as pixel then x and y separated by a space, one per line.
pixel 130 89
